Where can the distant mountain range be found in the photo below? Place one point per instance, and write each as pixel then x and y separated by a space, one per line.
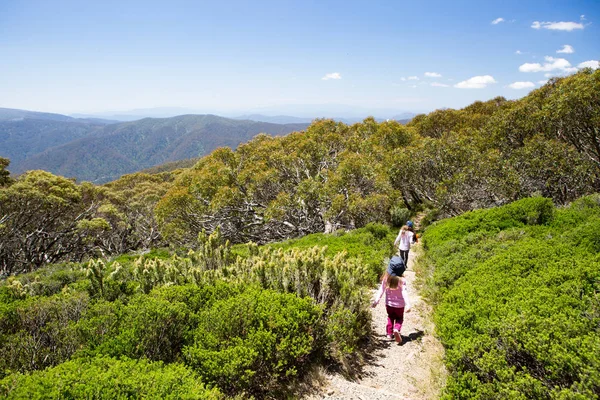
pixel 99 152
pixel 12 114
pixel 284 114
pixel 286 119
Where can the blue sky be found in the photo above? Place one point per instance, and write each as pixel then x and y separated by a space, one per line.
pixel 237 56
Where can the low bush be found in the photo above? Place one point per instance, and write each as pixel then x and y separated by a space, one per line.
pixel 39 331
pixel 399 215
pixel 517 300
pixel 247 324
pixel 108 378
pixel 255 342
pixel 147 326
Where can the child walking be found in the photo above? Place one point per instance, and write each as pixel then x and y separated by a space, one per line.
pixel 403 241
pixel 396 300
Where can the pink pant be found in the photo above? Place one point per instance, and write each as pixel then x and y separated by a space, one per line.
pixel 395 319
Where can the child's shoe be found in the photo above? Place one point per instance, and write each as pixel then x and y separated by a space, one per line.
pixel 390 337
pixel 397 337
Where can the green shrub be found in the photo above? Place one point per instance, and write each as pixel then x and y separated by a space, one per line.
pixel 39 332
pixel 46 281
pixel 517 300
pixel 379 231
pixel 148 327
pixel 254 342
pixel 108 378
pixel 399 215
pixel 197 298
pixel 344 330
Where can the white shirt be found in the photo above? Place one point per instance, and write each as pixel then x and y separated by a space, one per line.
pixel 405 241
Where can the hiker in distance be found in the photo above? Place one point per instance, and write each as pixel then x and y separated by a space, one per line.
pixel 406 237
pixel 396 297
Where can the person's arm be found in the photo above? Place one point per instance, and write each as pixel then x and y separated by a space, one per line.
pixel 397 241
pixel 379 294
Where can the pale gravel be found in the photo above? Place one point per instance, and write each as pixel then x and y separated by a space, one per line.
pixel 411 371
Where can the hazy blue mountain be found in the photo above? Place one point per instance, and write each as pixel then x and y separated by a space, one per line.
pixel 23 138
pixel 281 114
pixel 338 112
pixel 117 149
pixel 141 113
pixel 13 114
pixel 277 119
pixel 286 119
pixel 404 116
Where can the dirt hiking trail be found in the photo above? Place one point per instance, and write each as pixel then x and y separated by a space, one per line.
pixel 412 370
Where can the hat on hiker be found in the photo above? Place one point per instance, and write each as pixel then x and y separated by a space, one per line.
pixel 396 266
pixel 409 224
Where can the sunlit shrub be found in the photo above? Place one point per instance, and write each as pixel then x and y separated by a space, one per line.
pixel 255 341
pixel 399 215
pixel 517 300
pixel 108 378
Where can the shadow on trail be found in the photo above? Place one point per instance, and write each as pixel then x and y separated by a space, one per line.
pixel 370 353
pixel 412 337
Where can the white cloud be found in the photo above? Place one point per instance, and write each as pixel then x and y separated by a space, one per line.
pixel 333 75
pixel 433 75
pixel 557 26
pixel 518 52
pixel 521 85
pixel 582 17
pixel 437 84
pixel 543 82
pixel 403 79
pixel 593 64
pixel 476 82
pixel 413 78
pixel 551 64
pixel 497 21
pixel 567 49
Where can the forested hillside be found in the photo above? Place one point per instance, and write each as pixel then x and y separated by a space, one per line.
pixel 24 138
pixel 116 149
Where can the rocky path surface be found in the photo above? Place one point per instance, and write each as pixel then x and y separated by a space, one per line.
pixel 412 370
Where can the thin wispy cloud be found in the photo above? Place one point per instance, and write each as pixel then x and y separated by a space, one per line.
pixel 333 75
pixel 521 85
pixel 476 82
pixel 593 64
pixel 518 52
pixel 551 64
pixel 437 84
pixel 566 49
pixel 497 21
pixel 413 78
pixel 432 75
pixel 557 26
pixel 543 82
